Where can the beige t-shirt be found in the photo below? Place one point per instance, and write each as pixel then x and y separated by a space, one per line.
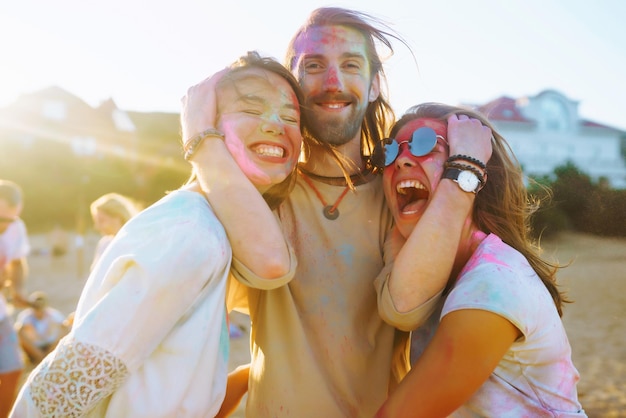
pixel 319 346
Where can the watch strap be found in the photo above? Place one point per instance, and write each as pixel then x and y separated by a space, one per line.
pixel 451 173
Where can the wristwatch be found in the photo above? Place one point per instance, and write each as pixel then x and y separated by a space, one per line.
pixel 466 179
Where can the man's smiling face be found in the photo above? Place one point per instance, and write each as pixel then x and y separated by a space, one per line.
pixel 335 75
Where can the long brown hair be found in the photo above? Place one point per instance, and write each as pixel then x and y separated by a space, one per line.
pixel 504 206
pixel 379 114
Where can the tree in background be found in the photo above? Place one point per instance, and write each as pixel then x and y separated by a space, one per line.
pixel 577 203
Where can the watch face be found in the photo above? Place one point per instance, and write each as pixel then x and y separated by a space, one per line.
pixel 468 181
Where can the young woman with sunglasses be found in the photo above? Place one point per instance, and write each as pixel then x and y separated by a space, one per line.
pixel 495 345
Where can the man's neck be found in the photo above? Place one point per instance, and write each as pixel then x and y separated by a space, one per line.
pixel 322 163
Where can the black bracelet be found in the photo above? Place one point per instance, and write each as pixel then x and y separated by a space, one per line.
pixel 471 168
pixel 191 145
pixel 468 159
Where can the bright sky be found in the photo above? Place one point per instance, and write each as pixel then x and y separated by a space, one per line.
pixel 145 53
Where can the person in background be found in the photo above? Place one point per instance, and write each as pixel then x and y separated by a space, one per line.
pixel 59 241
pixel 319 345
pixel 14 248
pixel 495 346
pixel 40 327
pixel 150 335
pixel 109 213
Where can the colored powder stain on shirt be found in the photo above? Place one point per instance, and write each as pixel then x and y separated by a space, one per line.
pixel 224 347
pixel 346 252
pixel 484 256
pixel 491 258
pixel 498 279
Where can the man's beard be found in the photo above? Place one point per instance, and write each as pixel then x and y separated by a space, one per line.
pixel 336 129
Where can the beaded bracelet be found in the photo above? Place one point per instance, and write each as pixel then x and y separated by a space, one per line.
pixel 468 159
pixel 471 168
pixel 191 145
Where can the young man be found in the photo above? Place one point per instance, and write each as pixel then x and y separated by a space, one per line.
pixel 319 345
pixel 14 248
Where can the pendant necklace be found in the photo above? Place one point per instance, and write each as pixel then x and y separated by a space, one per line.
pixel 331 212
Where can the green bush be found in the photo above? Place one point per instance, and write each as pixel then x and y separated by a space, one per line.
pixel 575 202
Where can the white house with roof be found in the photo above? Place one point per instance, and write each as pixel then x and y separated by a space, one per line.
pixel 545 131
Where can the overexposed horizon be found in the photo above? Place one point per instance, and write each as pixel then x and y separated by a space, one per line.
pixel 144 54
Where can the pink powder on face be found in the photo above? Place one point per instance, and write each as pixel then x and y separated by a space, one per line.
pixel 327 35
pixel 332 76
pixel 429 158
pixel 440 164
pixel 239 152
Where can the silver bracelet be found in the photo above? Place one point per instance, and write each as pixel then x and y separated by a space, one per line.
pixel 191 145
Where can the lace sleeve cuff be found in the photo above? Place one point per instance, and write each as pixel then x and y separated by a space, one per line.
pixel 74 378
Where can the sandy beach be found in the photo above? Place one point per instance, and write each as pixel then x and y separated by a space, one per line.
pixel 595 322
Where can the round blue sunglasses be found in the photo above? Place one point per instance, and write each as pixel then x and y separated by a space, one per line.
pixel 423 140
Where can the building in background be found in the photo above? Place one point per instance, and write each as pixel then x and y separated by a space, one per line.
pixel 57 116
pixel 65 152
pixel 545 131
